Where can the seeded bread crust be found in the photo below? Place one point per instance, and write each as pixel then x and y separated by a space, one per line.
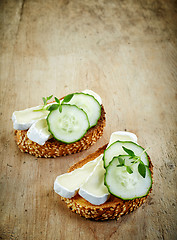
pixel 54 148
pixel 112 209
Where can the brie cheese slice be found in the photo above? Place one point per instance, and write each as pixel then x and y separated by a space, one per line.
pixel 38 132
pixel 68 184
pixel 23 119
pixel 122 136
pixel 94 190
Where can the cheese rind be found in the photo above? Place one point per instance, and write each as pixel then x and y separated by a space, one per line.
pixel 38 132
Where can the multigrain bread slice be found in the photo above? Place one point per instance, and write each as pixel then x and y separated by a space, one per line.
pixel 54 148
pixel 112 209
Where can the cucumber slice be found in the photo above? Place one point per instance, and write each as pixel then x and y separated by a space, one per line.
pixel 68 126
pixel 124 185
pixel 115 149
pixel 89 104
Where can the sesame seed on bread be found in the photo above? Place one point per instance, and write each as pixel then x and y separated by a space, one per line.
pixel 54 148
pixel 112 209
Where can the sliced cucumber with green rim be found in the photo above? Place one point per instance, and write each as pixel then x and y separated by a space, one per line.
pixel 89 104
pixel 125 183
pixel 68 126
pixel 116 149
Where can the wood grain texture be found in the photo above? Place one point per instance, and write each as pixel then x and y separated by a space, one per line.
pixel 126 51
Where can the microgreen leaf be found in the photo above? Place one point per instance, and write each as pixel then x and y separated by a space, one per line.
pixel 68 98
pixel 48 98
pixel 142 169
pixel 130 152
pixel 44 101
pixel 53 107
pixel 60 108
pixel 121 161
pixel 129 170
pixel 57 100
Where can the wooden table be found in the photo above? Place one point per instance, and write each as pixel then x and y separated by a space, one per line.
pixel 125 51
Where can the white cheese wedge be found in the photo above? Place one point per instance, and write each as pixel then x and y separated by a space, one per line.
pixel 24 119
pixel 68 184
pixel 94 190
pixel 122 136
pixel 95 95
pixel 38 132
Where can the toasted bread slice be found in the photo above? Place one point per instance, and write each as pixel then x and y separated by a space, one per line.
pixel 112 209
pixel 54 148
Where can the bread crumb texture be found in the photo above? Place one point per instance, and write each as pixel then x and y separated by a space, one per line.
pixel 114 208
pixel 54 148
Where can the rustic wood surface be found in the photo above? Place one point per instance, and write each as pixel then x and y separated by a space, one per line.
pixel 126 51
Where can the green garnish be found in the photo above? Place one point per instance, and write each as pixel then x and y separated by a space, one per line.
pixel 131 154
pixel 57 100
pixel 52 107
pixel 122 163
pixel 56 105
pixel 142 169
pixel 129 170
pixel 60 108
pixel 45 103
pixel 68 98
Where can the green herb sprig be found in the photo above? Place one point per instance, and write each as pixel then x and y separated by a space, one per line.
pixel 56 105
pixel 45 100
pixel 135 159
